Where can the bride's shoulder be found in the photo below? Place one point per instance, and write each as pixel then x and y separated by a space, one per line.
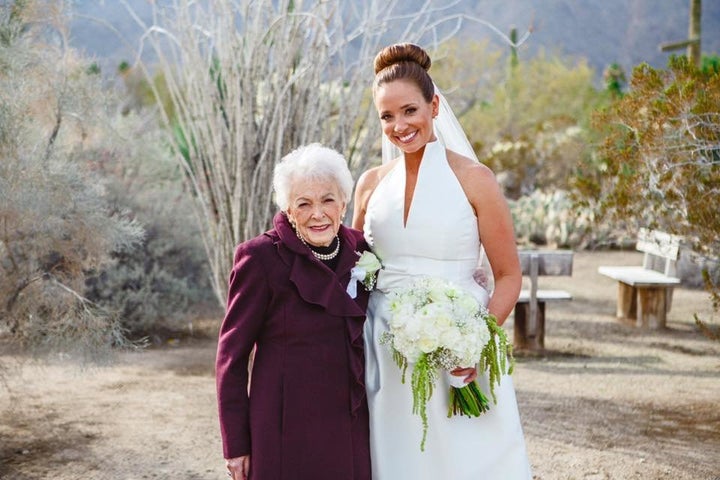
pixel 371 177
pixel 468 169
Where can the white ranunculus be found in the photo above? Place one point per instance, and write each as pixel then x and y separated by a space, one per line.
pixel 412 326
pixel 399 319
pixel 409 349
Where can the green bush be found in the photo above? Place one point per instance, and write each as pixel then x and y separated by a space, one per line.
pixel 551 218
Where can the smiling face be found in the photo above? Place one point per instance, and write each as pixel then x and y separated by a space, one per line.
pixel 405 116
pixel 316 208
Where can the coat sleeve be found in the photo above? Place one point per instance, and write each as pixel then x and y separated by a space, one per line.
pixel 247 305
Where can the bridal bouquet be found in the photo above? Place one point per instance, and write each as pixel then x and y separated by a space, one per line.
pixel 436 327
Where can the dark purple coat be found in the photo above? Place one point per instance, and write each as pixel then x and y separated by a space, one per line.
pixel 306 415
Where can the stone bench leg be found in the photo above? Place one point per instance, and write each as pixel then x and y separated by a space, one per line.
pixel 652 303
pixel 626 301
pixel 522 338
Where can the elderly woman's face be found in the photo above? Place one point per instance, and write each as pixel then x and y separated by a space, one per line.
pixel 316 208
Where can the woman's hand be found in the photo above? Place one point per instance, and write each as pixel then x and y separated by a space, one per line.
pixel 481 278
pixel 469 373
pixel 238 467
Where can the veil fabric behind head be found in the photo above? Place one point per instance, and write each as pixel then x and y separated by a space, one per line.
pixel 448 131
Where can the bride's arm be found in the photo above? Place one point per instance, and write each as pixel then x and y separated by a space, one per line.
pixel 363 190
pixel 497 235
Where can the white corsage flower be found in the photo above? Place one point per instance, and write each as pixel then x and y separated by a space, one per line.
pixel 364 271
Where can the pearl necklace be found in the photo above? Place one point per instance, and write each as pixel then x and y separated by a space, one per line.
pixel 321 256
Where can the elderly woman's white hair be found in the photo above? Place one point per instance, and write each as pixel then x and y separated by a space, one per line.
pixel 310 162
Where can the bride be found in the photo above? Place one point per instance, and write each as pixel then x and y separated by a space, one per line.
pixel 430 210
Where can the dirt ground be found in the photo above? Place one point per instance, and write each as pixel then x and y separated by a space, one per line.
pixel 606 401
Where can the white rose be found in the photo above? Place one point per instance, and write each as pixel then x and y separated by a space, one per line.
pixel 412 326
pixel 437 315
pixel 427 343
pixel 450 337
pixel 369 262
pixel 468 304
pixel 483 334
pixel 408 349
pixel 437 293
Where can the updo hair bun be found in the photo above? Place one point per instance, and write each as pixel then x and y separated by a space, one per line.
pixel 402 52
pixel 407 62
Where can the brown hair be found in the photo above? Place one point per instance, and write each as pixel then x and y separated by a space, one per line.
pixel 404 61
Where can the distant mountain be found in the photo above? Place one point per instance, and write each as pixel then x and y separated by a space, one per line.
pixel 627 32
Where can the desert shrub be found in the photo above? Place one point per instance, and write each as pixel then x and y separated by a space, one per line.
pixel 56 226
pixel 161 284
pixel 144 288
pixel 531 122
pixel 76 181
pixel 55 222
pixel 541 161
pixel 553 219
pixel 658 164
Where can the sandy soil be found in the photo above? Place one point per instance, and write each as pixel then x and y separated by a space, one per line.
pixel 606 401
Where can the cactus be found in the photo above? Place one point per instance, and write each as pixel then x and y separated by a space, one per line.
pixel 550 218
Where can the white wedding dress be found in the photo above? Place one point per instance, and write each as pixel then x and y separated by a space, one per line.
pixel 439 240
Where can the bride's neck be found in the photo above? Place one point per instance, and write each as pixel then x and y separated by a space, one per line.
pixel 413 159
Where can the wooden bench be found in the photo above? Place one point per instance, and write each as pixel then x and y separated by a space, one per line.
pixel 645 292
pixel 529 326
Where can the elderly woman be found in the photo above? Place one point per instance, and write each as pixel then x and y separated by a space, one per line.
pixel 304 413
